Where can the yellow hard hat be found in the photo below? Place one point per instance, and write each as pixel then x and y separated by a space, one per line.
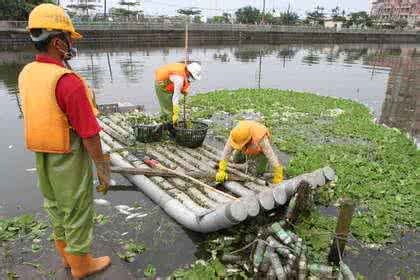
pixel 51 17
pixel 240 136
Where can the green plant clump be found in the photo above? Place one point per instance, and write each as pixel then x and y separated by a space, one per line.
pixel 22 226
pixel 376 166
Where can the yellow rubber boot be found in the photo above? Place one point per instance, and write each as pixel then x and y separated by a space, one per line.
pixel 60 245
pixel 82 266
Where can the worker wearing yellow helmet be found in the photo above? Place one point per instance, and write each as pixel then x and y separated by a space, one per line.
pixel 61 128
pixel 253 139
pixel 172 81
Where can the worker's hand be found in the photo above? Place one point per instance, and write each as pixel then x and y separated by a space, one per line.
pixel 278 174
pixel 221 174
pixel 104 174
pixel 175 114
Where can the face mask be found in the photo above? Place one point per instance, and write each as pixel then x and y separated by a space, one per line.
pixel 73 51
pixel 67 51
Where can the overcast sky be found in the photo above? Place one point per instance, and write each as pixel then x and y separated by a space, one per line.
pixel 217 7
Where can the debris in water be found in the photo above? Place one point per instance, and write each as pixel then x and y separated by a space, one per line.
pixel 124 234
pixel 11 146
pixel 102 202
pixel 135 215
pixel 31 169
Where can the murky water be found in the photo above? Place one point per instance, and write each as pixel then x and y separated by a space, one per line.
pixel 385 78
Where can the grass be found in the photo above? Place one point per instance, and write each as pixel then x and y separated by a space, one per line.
pixel 377 167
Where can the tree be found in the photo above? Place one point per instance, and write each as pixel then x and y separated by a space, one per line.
pixel 287 18
pixel 317 16
pixel 197 19
pixel 189 12
pixel 224 18
pixel 248 15
pixel 121 12
pixel 359 19
pixel 18 9
pixel 82 6
pixel 227 18
pixel 128 4
pixel 400 23
pixel 338 15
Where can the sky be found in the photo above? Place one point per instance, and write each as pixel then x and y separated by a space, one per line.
pixel 217 7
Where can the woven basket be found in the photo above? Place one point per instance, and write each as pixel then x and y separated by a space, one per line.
pixel 191 137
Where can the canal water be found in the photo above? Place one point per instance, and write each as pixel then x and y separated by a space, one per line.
pixel 383 77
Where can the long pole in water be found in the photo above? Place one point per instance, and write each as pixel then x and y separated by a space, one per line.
pixel 186 61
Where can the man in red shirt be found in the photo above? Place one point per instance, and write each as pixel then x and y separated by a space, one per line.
pixel 61 128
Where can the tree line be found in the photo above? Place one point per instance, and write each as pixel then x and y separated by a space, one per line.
pixel 19 10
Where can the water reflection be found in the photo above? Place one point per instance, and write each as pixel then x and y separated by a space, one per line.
pixel 401 107
pixel 380 76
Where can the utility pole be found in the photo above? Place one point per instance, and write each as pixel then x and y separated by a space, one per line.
pixel 263 13
pixel 105 9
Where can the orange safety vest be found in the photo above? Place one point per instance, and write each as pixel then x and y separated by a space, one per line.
pixel 46 126
pixel 258 132
pixel 162 76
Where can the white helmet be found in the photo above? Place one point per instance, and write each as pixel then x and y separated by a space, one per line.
pixel 195 70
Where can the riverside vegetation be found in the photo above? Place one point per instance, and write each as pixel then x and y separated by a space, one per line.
pixel 377 167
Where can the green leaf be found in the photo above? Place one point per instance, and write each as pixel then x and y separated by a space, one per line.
pixel 149 271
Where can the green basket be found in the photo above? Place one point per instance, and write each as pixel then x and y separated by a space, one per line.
pixel 191 137
pixel 148 133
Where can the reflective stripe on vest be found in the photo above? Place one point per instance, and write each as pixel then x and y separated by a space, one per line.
pixel 162 76
pixel 46 126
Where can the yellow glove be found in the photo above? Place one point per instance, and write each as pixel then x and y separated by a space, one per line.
pixel 278 174
pixel 175 114
pixel 222 175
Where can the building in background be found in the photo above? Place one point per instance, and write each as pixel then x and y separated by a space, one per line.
pixel 389 10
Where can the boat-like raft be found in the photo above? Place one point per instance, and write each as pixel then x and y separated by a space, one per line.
pixel 197 208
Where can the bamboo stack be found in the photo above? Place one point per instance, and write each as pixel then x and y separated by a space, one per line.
pixel 281 254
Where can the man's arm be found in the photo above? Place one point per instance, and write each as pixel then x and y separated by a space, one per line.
pixel 272 158
pixel 269 152
pixel 178 82
pixel 94 148
pixel 73 101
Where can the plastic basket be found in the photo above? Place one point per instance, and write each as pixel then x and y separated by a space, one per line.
pixel 148 133
pixel 191 137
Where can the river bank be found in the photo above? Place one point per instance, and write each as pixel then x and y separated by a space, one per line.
pixel 14 35
pixel 314 131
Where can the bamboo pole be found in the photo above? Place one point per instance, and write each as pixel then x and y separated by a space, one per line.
pixel 172 157
pixel 177 182
pixel 341 231
pixel 299 202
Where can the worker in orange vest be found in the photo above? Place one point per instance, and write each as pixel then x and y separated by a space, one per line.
pixel 172 81
pixel 250 138
pixel 61 128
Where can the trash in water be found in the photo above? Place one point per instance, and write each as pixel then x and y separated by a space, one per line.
pixel 102 202
pixel 135 215
pixel 11 146
pixel 31 169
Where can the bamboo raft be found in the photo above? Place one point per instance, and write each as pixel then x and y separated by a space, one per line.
pixel 197 208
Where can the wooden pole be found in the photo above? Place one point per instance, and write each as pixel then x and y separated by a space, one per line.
pixel 341 232
pixel 186 61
